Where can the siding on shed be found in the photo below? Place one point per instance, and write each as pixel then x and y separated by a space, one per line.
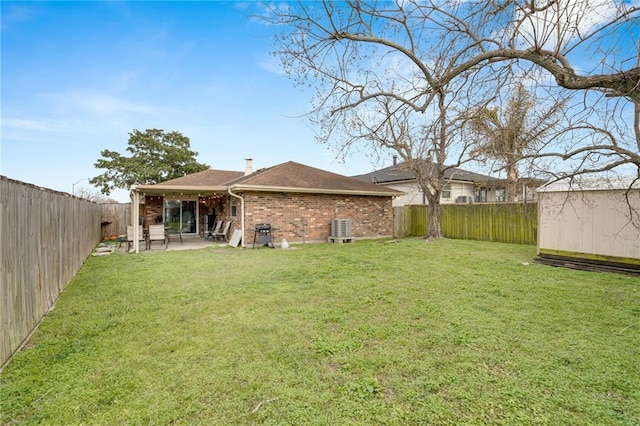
pixel 592 222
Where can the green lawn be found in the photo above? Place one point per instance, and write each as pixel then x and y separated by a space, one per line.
pixel 375 332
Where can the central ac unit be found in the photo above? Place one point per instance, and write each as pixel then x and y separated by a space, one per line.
pixel 464 199
pixel 341 228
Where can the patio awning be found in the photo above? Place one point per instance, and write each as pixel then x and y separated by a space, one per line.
pixel 160 189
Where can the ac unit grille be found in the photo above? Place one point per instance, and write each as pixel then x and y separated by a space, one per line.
pixel 464 199
pixel 341 228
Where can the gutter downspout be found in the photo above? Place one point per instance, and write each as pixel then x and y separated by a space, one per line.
pixel 241 213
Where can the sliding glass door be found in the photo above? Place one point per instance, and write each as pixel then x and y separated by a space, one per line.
pixel 181 216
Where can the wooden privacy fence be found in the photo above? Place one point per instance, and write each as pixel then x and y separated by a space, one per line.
pixel 45 237
pixel 116 217
pixel 501 222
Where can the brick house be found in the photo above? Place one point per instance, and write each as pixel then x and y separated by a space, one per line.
pixel 299 201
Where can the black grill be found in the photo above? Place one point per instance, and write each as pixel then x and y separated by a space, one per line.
pixel 263 235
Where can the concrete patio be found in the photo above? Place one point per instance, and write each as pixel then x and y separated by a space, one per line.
pixel 189 242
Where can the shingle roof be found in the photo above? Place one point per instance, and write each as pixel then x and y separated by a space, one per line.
pixel 295 176
pixel 285 177
pixel 399 173
pixel 208 177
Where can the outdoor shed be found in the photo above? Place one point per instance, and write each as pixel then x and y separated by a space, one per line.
pixel 590 224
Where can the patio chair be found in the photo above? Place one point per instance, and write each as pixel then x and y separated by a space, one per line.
pixel 130 235
pixel 222 234
pixel 216 229
pixel 173 232
pixel 156 233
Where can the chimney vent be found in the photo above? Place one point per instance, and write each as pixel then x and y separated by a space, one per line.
pixel 249 166
pixel 395 160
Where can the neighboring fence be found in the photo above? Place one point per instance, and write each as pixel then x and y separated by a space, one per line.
pixel 45 237
pixel 500 222
pixel 116 217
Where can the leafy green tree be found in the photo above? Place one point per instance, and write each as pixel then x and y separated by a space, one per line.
pixel 155 157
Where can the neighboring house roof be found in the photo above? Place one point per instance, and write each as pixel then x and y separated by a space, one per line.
pixel 399 173
pixel 285 177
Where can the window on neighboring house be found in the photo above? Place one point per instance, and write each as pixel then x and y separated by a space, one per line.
pixel 480 195
pixel 234 207
pixel 446 191
pixel 500 195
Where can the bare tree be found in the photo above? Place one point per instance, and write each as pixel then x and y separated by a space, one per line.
pixel 93 195
pixel 430 147
pixel 506 135
pixel 430 139
pixel 409 54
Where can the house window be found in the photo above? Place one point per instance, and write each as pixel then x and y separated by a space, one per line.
pixel 500 195
pixel 234 207
pixel 446 191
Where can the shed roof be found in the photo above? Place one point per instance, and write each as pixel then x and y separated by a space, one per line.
pixel 591 184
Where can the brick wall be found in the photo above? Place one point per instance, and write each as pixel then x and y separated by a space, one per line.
pixel 153 208
pixel 298 217
pixel 303 217
pixel 211 205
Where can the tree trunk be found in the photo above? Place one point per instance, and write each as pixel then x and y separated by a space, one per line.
pixel 512 182
pixel 434 229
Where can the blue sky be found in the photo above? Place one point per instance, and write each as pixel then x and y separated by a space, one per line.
pixel 77 77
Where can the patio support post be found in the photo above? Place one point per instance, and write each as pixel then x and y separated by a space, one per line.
pixel 135 218
pixel 241 213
